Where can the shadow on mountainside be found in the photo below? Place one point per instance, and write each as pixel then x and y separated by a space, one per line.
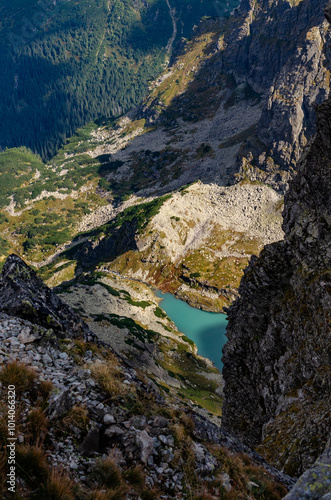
pixel 201 130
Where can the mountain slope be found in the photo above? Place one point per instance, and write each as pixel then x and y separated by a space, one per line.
pixel 67 62
pixel 211 96
pixel 101 167
pixel 281 49
pixel 90 425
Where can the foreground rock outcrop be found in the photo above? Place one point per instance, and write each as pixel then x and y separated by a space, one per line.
pixel 24 295
pixel 278 357
pixel 315 482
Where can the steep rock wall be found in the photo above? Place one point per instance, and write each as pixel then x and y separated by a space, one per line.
pixel 281 49
pixel 24 295
pixel 278 357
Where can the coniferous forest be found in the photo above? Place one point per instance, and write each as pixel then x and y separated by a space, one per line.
pixel 65 63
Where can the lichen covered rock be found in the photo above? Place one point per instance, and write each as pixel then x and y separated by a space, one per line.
pixel 315 483
pixel 281 50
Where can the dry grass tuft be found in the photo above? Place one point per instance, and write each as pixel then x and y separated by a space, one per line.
pixel 150 495
pixel 108 473
pixel 80 346
pixel 242 472
pixel 204 495
pixel 179 432
pixel 98 495
pixel 187 421
pixel 118 494
pixel 19 375
pixel 135 477
pixel 78 417
pixel 110 477
pixel 45 389
pixel 56 487
pixel 31 464
pixel 109 376
pixel 37 426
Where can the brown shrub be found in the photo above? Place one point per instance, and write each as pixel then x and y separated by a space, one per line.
pixel 31 464
pixel 107 473
pixel 45 389
pixel 78 417
pixel 37 425
pixel 56 487
pixel 135 477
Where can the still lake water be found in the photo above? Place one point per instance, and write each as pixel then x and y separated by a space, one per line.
pixel 206 329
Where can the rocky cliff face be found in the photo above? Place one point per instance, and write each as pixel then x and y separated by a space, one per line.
pixel 238 99
pixel 281 49
pixel 277 359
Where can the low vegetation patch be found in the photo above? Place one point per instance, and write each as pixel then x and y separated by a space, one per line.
pixel 159 313
pixel 109 377
pixel 19 375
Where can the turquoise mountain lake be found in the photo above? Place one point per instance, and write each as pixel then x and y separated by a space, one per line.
pixel 206 329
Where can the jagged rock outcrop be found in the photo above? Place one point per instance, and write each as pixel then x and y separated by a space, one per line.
pixel 281 49
pixel 278 357
pixel 315 483
pixel 274 54
pixel 24 295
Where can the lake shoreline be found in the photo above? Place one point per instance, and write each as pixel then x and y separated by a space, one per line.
pixel 206 329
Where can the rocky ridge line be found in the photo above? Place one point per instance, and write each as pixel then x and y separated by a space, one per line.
pixel 281 49
pixel 23 294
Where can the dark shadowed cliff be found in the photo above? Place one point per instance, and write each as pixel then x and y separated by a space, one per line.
pixel 24 295
pixel 278 357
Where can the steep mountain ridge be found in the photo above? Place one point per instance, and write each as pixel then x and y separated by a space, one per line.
pixel 195 246
pixel 91 181
pixel 124 314
pixel 277 362
pixel 274 52
pixel 302 82
pixel 277 54
pixel 24 295
pixel 277 358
